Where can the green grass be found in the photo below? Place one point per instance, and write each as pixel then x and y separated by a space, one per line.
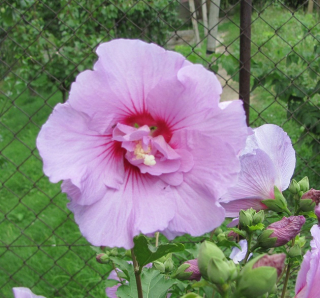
pixel 40 245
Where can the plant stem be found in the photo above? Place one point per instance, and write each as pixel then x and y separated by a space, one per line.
pixel 137 274
pixel 248 248
pixel 157 239
pixel 286 280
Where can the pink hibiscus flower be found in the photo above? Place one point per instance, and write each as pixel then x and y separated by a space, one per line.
pixel 143 145
pixel 307 284
pixel 267 161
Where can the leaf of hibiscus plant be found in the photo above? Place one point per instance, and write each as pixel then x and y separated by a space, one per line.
pixel 154 285
pixel 146 253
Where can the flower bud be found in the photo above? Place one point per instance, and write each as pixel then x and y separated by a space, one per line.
pixel 313 195
pixel 304 184
pixel 276 261
pixel 103 258
pixel 254 282
pixel 258 217
pixel 168 265
pixel 283 230
pixel 207 251
pixel 245 218
pixel 294 251
pixel 159 266
pixel 294 187
pixel 220 271
pixel 189 272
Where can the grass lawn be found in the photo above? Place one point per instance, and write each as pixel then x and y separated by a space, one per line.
pixel 40 245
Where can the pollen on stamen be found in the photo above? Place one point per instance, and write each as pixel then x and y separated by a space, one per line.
pixel 148 159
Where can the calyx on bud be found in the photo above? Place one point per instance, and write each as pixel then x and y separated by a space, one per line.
pixel 189 270
pixel 214 266
pixel 281 232
pixel 278 204
pixel 294 187
pixel 254 282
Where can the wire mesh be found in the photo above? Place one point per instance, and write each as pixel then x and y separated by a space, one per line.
pixel 44 44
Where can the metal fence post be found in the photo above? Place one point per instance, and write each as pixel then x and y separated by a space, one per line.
pixel 245 54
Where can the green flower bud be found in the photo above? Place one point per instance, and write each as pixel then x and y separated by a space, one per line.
pixel 294 187
pixel 258 217
pixel 304 184
pixel 218 271
pixel 206 252
pixel 169 265
pixel 114 252
pixel 221 237
pixel 159 266
pixel 245 218
pixel 256 282
pixel 294 251
pixel 191 295
pixel 103 258
pixel 218 231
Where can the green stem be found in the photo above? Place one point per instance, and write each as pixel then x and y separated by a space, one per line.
pixel 286 280
pixel 248 249
pixel 137 274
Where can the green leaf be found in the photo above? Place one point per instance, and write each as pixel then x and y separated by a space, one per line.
pixel 154 285
pixel 191 295
pixel 146 253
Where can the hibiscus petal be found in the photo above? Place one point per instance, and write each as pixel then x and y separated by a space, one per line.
pixel 233 207
pixel 256 181
pixel 276 143
pixel 183 102
pixel 24 293
pixel 70 150
pixel 144 204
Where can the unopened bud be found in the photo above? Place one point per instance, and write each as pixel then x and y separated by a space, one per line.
pixel 313 195
pixel 220 271
pixel 258 217
pixel 276 261
pixel 306 205
pixel 206 252
pixel 245 218
pixel 294 187
pixel 103 258
pixel 294 251
pixel 189 272
pixel 255 282
pixel 283 230
pixel 159 266
pixel 169 265
pixel 304 184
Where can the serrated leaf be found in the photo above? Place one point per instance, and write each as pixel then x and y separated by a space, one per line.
pixel 259 226
pixel 154 285
pixel 146 253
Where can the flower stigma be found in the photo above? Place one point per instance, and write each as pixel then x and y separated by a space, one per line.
pixel 140 153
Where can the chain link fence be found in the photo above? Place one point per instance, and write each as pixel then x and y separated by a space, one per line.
pixel 44 44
